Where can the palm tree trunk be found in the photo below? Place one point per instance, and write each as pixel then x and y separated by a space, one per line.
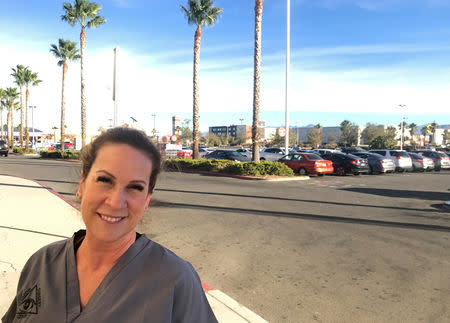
pixel 8 127
pixel 63 105
pixel 83 97
pixel 1 120
pixel 21 117
pixel 195 125
pixel 12 128
pixel 27 132
pixel 256 80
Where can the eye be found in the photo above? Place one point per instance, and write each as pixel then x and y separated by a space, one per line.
pixel 103 179
pixel 137 187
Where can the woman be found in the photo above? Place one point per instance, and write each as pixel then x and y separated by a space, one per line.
pixel 108 272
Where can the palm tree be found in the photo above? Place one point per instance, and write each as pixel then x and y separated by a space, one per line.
pixel 84 13
pixel 30 78
pixel 412 131
pixel 65 51
pixel 19 75
pixel 199 13
pixel 3 98
pixel 256 79
pixel 11 97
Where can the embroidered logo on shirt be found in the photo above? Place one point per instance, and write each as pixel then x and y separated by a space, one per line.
pixel 28 301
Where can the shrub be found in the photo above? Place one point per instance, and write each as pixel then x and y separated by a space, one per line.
pixel 19 150
pixel 68 154
pixel 262 168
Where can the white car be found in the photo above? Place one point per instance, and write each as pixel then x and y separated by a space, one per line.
pixel 271 153
pixel 246 152
pixel 204 151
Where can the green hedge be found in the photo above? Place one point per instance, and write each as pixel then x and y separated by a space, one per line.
pixel 68 154
pixel 19 150
pixel 262 168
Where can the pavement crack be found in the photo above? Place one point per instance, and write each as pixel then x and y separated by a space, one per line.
pixel 12 266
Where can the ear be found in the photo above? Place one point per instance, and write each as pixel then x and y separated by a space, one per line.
pixel 80 189
pixel 147 200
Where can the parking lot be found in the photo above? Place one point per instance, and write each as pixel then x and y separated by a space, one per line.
pixel 368 248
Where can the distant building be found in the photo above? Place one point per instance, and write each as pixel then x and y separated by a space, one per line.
pixel 243 132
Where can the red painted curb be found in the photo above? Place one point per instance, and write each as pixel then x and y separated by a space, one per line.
pixel 206 287
pixel 51 190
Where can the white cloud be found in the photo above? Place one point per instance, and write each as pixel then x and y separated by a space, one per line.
pixel 147 88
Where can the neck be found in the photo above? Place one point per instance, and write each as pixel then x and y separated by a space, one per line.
pixel 94 254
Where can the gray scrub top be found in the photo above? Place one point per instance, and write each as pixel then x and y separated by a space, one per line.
pixel 149 283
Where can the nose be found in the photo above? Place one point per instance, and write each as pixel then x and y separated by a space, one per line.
pixel 117 199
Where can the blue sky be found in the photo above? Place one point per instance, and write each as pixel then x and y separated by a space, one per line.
pixel 350 59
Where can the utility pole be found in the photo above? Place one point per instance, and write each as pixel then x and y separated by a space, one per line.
pixel 401 126
pixel 154 124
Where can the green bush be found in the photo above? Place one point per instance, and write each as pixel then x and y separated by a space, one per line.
pixel 262 168
pixel 19 150
pixel 68 154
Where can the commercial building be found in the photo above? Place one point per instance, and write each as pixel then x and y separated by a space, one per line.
pixel 243 132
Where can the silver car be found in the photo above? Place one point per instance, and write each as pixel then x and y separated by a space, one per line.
pixel 401 158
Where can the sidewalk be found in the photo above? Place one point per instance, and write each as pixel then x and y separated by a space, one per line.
pixel 45 217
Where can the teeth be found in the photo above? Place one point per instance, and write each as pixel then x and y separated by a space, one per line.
pixel 107 218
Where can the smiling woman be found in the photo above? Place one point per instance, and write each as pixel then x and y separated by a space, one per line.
pixel 109 272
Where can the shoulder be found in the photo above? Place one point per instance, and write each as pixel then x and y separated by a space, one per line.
pixel 170 263
pixel 45 256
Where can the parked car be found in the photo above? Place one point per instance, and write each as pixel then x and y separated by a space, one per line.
pixel 421 163
pixel 4 148
pixel 377 163
pixel 271 153
pixel 58 147
pixel 226 154
pixel 347 163
pixel 246 152
pixel 441 160
pixel 401 158
pixel 307 163
pixel 204 151
pixel 324 151
pixel 352 150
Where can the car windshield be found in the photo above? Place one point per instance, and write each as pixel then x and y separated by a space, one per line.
pixel 234 154
pixel 399 153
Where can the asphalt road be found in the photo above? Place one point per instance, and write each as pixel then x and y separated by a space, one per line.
pixel 331 249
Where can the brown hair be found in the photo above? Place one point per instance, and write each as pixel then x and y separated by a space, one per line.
pixel 120 135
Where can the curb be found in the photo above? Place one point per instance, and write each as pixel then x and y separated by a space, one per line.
pixel 257 178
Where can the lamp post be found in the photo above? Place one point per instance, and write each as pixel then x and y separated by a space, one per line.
pixel 32 107
pixel 288 54
pixel 154 124
pixel 401 106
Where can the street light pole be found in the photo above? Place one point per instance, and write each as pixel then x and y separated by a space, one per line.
pixel 401 126
pixel 32 107
pixel 288 54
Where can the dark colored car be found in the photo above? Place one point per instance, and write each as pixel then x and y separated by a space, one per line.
pixel 347 163
pixel 226 154
pixel 377 163
pixel 352 150
pixel 441 160
pixel 307 163
pixel 3 148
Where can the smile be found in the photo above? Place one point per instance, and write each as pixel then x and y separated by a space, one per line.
pixel 110 219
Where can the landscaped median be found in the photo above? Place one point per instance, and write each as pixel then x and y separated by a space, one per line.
pixel 58 154
pixel 262 169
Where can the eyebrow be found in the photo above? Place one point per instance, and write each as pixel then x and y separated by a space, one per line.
pixel 111 175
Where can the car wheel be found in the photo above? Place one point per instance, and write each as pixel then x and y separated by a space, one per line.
pixel 262 158
pixel 356 174
pixel 340 171
pixel 302 171
pixel 319 174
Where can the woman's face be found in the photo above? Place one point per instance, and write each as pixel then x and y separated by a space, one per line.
pixel 114 195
